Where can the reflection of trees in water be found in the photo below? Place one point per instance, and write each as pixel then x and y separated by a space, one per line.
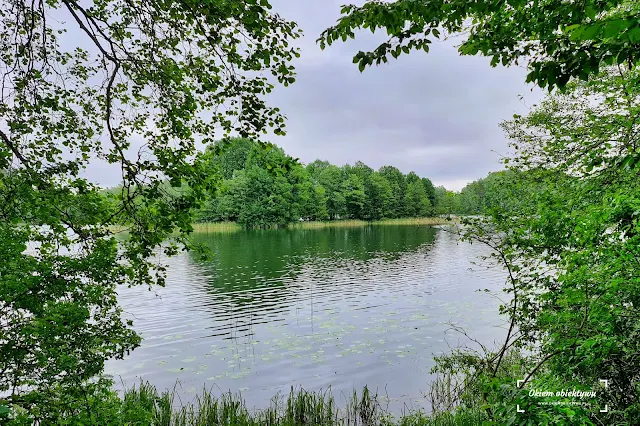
pixel 256 275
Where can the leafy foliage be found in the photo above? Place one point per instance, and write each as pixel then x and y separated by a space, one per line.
pixel 558 39
pixel 354 195
pixel 263 187
pixel 417 203
pixel 164 74
pixel 378 196
pixel 568 238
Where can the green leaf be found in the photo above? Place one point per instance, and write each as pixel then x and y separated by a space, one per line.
pixel 571 28
pixel 634 35
pixel 613 28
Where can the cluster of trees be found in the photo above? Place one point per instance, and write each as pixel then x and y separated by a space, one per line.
pixel 483 196
pixel 262 186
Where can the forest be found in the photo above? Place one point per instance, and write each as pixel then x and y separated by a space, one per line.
pixel 262 186
pixel 259 186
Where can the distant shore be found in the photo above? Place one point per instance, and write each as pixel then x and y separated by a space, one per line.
pixel 215 227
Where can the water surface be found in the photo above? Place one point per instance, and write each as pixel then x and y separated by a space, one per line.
pixel 312 308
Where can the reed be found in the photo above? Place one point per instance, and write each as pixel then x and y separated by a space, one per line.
pixel 346 223
pixel 300 407
pixel 231 227
pixel 417 221
pixel 351 223
pixel 216 227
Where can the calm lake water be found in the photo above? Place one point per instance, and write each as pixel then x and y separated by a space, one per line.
pixel 339 308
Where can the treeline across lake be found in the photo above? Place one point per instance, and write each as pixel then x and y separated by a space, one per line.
pixel 260 186
pixel 264 187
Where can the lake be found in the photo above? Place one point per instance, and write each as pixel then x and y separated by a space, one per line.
pixel 332 307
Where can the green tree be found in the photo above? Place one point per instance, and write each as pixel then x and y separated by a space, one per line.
pixel 359 169
pixel 333 193
pixel 227 201
pixel 310 197
pixel 398 188
pixel 316 167
pixel 354 195
pixel 273 159
pixel 266 199
pixel 430 190
pixel 230 154
pixel 266 192
pixel 565 228
pixel 559 40
pixel 331 179
pixel 495 192
pixel 417 203
pixel 146 71
pixel 412 177
pixel 378 197
pixel 446 201
pixel 472 198
pixel 319 203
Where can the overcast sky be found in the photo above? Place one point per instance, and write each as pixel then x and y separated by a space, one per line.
pixel 436 114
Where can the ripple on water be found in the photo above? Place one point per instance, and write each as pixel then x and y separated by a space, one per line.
pixel 339 308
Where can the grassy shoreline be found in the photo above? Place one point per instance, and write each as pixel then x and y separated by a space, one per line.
pixel 216 227
pixel 145 405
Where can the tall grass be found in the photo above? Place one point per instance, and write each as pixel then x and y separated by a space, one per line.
pixel 345 223
pixel 216 227
pixel 354 223
pixel 231 227
pixel 298 408
pixel 417 221
pixel 204 227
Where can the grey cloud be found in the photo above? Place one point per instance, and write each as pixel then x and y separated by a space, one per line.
pixel 435 113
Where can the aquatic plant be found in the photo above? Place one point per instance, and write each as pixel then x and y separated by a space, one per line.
pixel 300 407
